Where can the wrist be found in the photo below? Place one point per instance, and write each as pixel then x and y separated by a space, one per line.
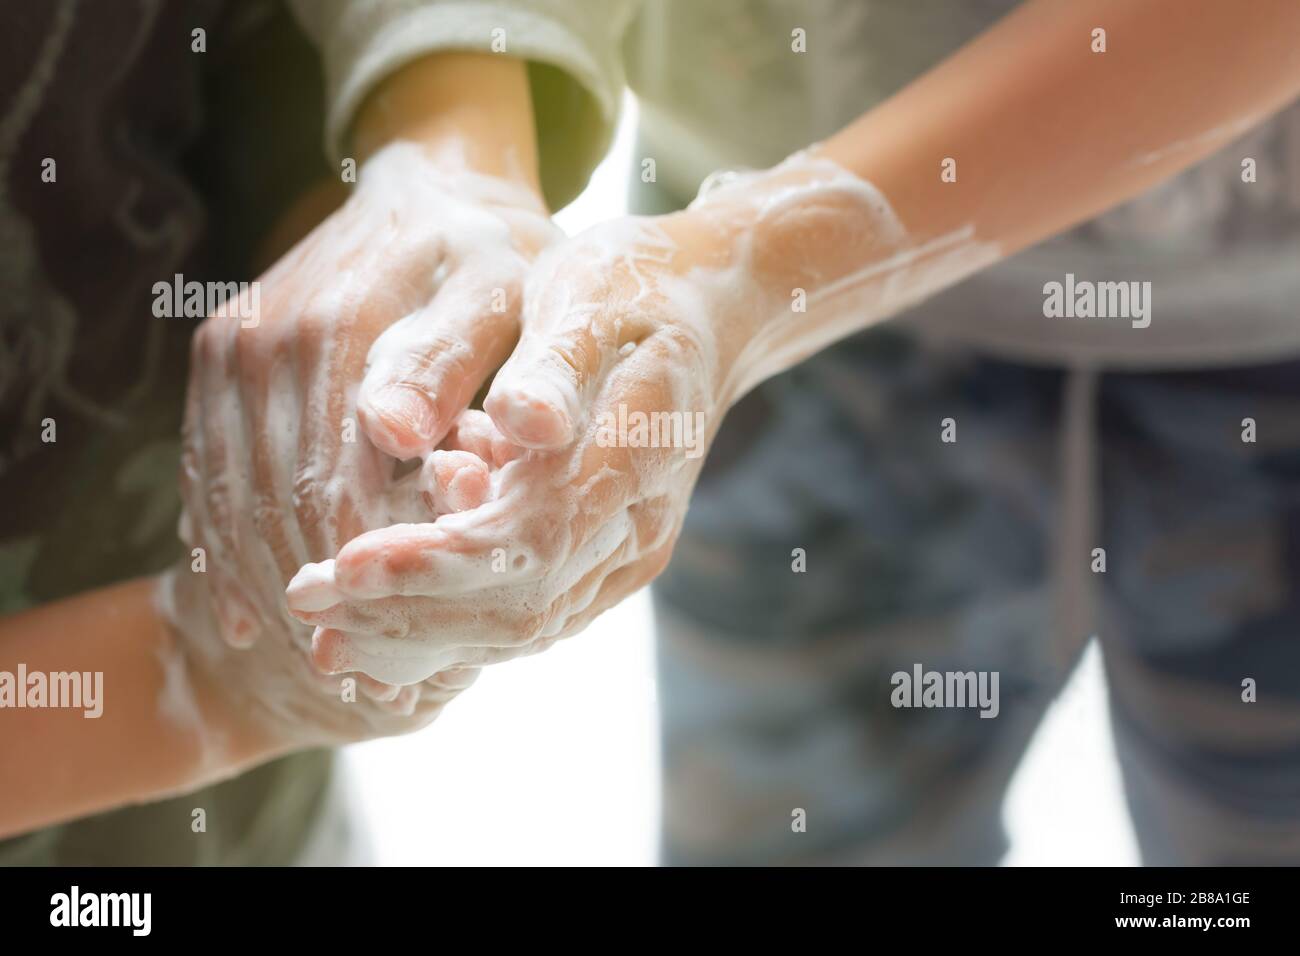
pixel 205 697
pixel 467 112
pixel 821 254
pixel 803 226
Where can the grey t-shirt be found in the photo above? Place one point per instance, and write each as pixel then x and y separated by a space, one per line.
pixel 720 87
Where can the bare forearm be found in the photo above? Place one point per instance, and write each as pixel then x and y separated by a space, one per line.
pixel 1035 132
pixel 1045 132
pixel 473 109
pixel 160 730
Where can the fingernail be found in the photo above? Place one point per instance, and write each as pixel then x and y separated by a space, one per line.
pixel 313 588
pixel 407 415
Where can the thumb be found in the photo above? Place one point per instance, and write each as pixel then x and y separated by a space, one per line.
pixel 538 397
pixel 426 368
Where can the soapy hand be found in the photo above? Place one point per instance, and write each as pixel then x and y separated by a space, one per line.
pixel 271 679
pixel 572 526
pixel 637 336
pixel 276 470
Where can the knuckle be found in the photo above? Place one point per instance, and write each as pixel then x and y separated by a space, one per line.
pixel 530 628
pixel 266 518
pixel 569 355
pixel 209 348
pixel 349 565
pixel 654 522
pixel 658 561
pixel 441 354
pixel 547 543
pixel 685 348
pixel 312 326
pixel 397 628
pixel 219 508
pixel 251 348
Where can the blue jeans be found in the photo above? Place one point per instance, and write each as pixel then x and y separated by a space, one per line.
pixel 957 555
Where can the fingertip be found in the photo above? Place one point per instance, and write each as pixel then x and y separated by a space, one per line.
pixel 399 420
pixel 313 589
pixel 534 415
pixel 376 689
pixel 474 431
pixel 456 480
pixel 403 704
pixel 454 679
pixel 331 652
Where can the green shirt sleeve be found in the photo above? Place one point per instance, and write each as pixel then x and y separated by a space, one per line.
pixel 573 49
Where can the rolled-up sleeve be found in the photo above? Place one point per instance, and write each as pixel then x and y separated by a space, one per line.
pixel 573 48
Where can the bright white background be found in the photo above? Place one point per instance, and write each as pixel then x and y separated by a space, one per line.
pixel 554 759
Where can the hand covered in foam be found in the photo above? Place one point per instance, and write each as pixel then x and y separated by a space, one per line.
pixel 276 467
pixel 637 336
